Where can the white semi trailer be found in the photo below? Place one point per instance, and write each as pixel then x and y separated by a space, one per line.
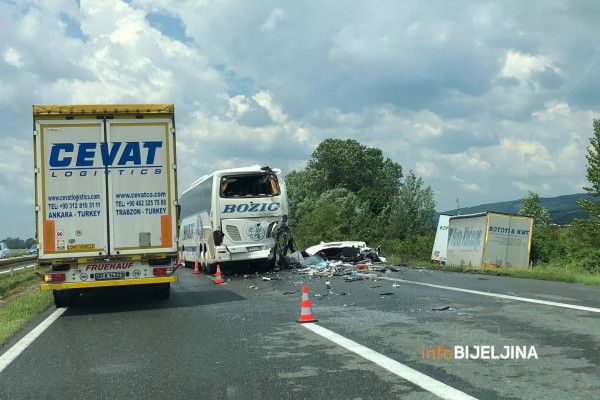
pixel 489 240
pixel 106 196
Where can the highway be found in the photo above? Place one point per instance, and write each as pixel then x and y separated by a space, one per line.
pixel 240 340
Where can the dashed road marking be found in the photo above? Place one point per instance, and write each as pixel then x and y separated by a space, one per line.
pixel 497 295
pixel 431 385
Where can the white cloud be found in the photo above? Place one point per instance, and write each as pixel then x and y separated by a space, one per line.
pixel 553 110
pixel 470 161
pixel 426 168
pixel 238 106
pixel 13 57
pixel 302 135
pixel 276 16
pixel 472 187
pixel 521 66
pixel 264 99
pixel 525 187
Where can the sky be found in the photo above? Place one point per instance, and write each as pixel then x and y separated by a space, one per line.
pixel 483 100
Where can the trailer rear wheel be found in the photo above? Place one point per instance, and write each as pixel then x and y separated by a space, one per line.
pixel 211 268
pixel 65 297
pixel 162 291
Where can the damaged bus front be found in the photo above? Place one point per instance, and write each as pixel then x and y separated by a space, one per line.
pixel 230 218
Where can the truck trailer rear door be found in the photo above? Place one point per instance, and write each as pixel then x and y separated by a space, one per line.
pixel 70 188
pixel 141 186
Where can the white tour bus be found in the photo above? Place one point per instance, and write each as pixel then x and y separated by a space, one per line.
pixel 231 216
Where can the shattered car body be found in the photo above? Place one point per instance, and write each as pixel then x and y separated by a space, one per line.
pixel 349 251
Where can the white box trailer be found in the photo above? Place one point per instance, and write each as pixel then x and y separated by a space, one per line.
pixel 440 245
pixel 106 196
pixel 489 240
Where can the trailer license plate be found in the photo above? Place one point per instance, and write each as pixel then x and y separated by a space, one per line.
pixel 109 275
pixel 254 248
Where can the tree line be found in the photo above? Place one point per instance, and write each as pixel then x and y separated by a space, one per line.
pixel 17 243
pixel 578 245
pixel 349 191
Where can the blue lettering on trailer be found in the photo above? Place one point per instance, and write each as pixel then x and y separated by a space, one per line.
pixel 62 154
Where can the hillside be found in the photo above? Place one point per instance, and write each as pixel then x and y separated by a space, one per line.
pixel 563 209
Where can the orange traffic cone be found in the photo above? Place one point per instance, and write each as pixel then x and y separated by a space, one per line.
pixel 196 270
pixel 305 312
pixel 219 279
pixel 178 263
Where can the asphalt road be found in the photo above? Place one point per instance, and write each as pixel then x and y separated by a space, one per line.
pixel 239 340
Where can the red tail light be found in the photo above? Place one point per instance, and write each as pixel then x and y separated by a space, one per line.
pixel 54 277
pixel 160 271
pixel 218 237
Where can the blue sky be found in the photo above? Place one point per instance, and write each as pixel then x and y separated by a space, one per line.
pixel 483 100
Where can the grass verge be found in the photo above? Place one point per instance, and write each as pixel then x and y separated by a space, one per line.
pixel 20 280
pixel 19 252
pixel 543 272
pixel 17 312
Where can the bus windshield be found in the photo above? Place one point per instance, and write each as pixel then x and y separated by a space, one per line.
pixel 249 185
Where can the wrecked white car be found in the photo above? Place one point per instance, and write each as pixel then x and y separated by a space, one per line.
pixel 350 251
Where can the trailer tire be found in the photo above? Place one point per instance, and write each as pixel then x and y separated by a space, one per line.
pixel 162 291
pixel 211 268
pixel 65 297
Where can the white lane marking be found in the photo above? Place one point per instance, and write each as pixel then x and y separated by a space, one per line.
pixel 500 296
pixel 22 344
pixel 16 269
pixel 431 385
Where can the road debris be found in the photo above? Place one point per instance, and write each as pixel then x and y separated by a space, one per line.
pixel 386 294
pixel 353 278
pixel 441 308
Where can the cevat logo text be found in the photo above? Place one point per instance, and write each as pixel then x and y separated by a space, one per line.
pixel 129 153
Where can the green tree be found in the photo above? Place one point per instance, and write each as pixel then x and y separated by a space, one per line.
pixel 584 247
pixel 349 191
pixel 351 165
pixel 14 243
pixel 412 211
pixel 593 177
pixel 541 236
pixel 532 208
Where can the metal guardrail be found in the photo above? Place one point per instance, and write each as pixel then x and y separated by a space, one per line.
pixel 7 262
